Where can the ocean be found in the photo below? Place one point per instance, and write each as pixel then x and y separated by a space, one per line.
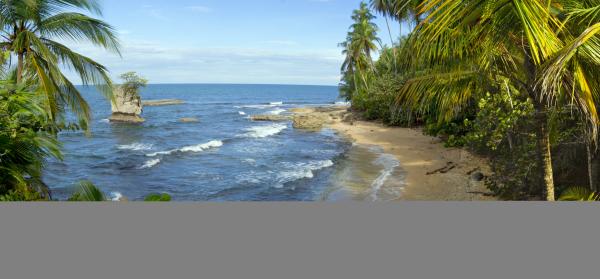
pixel 223 157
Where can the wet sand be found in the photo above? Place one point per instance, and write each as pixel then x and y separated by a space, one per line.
pixel 421 157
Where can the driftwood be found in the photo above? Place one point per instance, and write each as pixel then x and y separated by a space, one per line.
pixel 450 166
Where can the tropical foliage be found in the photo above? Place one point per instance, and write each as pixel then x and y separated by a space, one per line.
pixel 35 94
pixel 86 191
pixel 132 83
pixel 32 31
pixel 579 194
pixel 514 79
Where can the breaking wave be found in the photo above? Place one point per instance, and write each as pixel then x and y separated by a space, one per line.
pixel 193 148
pixel 150 164
pixel 301 171
pixel 136 146
pixel 277 111
pixel 265 131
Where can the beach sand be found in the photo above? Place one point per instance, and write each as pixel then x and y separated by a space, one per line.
pixel 421 157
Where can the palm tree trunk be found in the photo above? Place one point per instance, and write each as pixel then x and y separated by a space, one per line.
pixel 545 152
pixel 20 62
pixel 595 166
pixel 590 167
pixel 387 22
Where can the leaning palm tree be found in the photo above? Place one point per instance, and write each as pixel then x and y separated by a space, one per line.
pixel 384 8
pixel 548 50
pixel 360 44
pixel 32 30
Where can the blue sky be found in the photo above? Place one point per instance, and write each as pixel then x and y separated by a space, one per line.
pixel 236 41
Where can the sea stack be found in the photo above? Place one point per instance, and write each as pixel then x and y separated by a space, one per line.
pixel 126 108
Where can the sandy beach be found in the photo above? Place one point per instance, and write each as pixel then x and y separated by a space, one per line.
pixel 431 172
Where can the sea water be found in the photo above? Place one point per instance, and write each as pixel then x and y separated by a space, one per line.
pixel 223 157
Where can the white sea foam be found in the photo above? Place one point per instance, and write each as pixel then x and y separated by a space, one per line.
pixel 136 146
pixel 116 196
pixel 193 148
pixel 265 131
pixel 202 147
pixel 241 113
pixel 389 164
pixel 262 106
pixel 343 103
pixel 104 121
pixel 301 171
pixel 255 106
pixel 277 111
pixel 150 164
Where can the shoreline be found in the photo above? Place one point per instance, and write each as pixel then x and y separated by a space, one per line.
pixel 428 170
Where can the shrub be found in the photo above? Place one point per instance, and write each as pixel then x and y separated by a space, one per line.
pixel 158 198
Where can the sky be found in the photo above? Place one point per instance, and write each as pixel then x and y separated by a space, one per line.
pixel 235 41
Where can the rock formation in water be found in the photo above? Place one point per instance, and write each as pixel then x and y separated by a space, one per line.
pixel 166 102
pixel 126 107
pixel 316 118
pixel 189 120
pixel 272 118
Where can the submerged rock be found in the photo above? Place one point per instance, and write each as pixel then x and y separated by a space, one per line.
pixel 273 118
pixel 189 120
pixel 126 107
pixel 165 102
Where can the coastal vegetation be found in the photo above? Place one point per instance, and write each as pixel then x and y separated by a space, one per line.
pixel 515 80
pixel 35 94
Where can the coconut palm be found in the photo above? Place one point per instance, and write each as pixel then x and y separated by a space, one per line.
pixel 360 44
pixel 384 7
pixel 548 50
pixel 401 10
pixel 31 31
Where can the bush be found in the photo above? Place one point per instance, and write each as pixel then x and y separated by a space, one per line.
pixel 26 140
pixel 158 198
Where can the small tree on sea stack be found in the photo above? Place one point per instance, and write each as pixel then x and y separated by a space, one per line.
pixel 132 83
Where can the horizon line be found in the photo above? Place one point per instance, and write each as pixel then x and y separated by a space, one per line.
pixel 219 83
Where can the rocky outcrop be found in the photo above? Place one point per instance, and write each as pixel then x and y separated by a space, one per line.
pixel 273 118
pixel 310 121
pixel 317 118
pixel 126 108
pixel 166 102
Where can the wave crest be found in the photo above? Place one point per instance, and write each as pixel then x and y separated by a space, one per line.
pixel 265 131
pixel 193 148
pixel 150 164
pixel 136 146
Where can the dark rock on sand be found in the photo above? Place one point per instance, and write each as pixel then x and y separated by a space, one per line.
pixel 477 176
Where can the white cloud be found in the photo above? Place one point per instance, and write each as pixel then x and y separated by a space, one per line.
pixel 166 64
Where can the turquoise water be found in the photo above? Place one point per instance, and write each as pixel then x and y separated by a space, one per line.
pixel 224 157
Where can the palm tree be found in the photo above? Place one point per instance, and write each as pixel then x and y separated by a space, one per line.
pixel 548 50
pixel 30 30
pixel 359 46
pixel 384 7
